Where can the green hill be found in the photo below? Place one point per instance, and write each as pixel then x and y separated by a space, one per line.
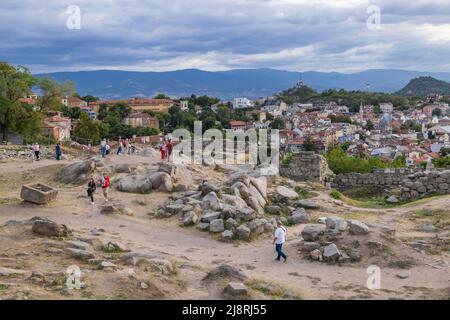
pixel 423 86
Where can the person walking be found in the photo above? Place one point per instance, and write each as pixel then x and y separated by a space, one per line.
pixel 108 149
pixel 92 186
pixel 105 186
pixel 37 151
pixel 119 149
pixel 163 148
pixel 278 240
pixel 169 147
pixel 58 151
pixel 103 148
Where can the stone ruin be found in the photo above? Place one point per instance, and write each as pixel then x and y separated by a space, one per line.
pixel 307 166
pixel 38 193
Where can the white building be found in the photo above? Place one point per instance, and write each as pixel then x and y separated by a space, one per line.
pixel 184 105
pixel 242 103
pixel 387 107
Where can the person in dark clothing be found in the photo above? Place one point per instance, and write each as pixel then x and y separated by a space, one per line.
pixel 58 151
pixel 92 186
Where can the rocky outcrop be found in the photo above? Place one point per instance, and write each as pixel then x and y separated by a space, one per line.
pixel 78 172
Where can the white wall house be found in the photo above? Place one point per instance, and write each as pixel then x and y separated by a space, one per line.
pixel 242 103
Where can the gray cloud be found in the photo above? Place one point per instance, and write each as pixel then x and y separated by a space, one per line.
pixel 223 34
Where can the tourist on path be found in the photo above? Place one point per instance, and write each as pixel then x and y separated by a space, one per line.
pixel 163 148
pixel 278 240
pixel 103 148
pixel 92 186
pixel 37 151
pixel 58 151
pixel 105 186
pixel 169 148
pixel 119 149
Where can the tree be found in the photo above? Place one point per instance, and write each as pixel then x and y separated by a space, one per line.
pixel 437 113
pixel 309 145
pixel 278 123
pixel 369 125
pixel 161 96
pixel 15 83
pixel 87 130
pixel 72 113
pixel 53 93
pixel 377 110
pixel 89 98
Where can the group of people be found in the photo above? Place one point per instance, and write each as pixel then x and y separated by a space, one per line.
pixel 37 151
pixel 166 148
pixel 104 183
pixel 124 147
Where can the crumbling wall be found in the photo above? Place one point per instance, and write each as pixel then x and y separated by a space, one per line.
pixel 422 184
pixel 306 166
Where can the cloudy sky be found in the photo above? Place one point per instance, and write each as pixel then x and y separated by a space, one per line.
pixel 161 35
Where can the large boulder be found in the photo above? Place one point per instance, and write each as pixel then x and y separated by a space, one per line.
pixel 331 252
pixel 257 226
pixel 48 228
pixel 225 271
pixel 245 214
pixel 358 228
pixel 216 226
pixel 234 201
pixel 260 183
pixel 190 218
pixel 238 176
pixel 299 217
pixel 313 232
pixel 211 201
pixel 210 216
pixel 161 181
pixel 135 184
pixel 255 205
pixel 273 210
pixel 336 223
pixel 208 187
pixel 123 168
pixel 78 172
pixel 243 232
pixel 284 193
pixel 241 189
pixel 236 289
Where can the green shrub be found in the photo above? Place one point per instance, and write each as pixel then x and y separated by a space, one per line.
pixel 335 194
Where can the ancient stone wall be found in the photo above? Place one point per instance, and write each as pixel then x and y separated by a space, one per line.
pixel 306 166
pixel 422 184
pixel 378 178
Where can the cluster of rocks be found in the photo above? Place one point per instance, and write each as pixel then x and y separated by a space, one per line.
pixel 95 250
pixel 26 153
pixel 167 178
pixel 235 210
pixel 425 183
pixel 319 240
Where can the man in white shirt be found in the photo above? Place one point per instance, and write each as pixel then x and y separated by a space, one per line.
pixel 279 239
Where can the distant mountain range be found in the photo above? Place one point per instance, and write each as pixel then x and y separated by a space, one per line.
pixel 251 83
pixel 424 86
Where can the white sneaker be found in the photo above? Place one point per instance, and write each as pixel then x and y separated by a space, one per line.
pixel 106 200
pixel 93 203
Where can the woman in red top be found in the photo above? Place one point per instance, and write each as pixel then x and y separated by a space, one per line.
pixel 105 186
pixel 169 148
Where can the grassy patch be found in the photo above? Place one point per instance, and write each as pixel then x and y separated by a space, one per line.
pixel 440 218
pixel 275 291
pixel 357 215
pixel 9 201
